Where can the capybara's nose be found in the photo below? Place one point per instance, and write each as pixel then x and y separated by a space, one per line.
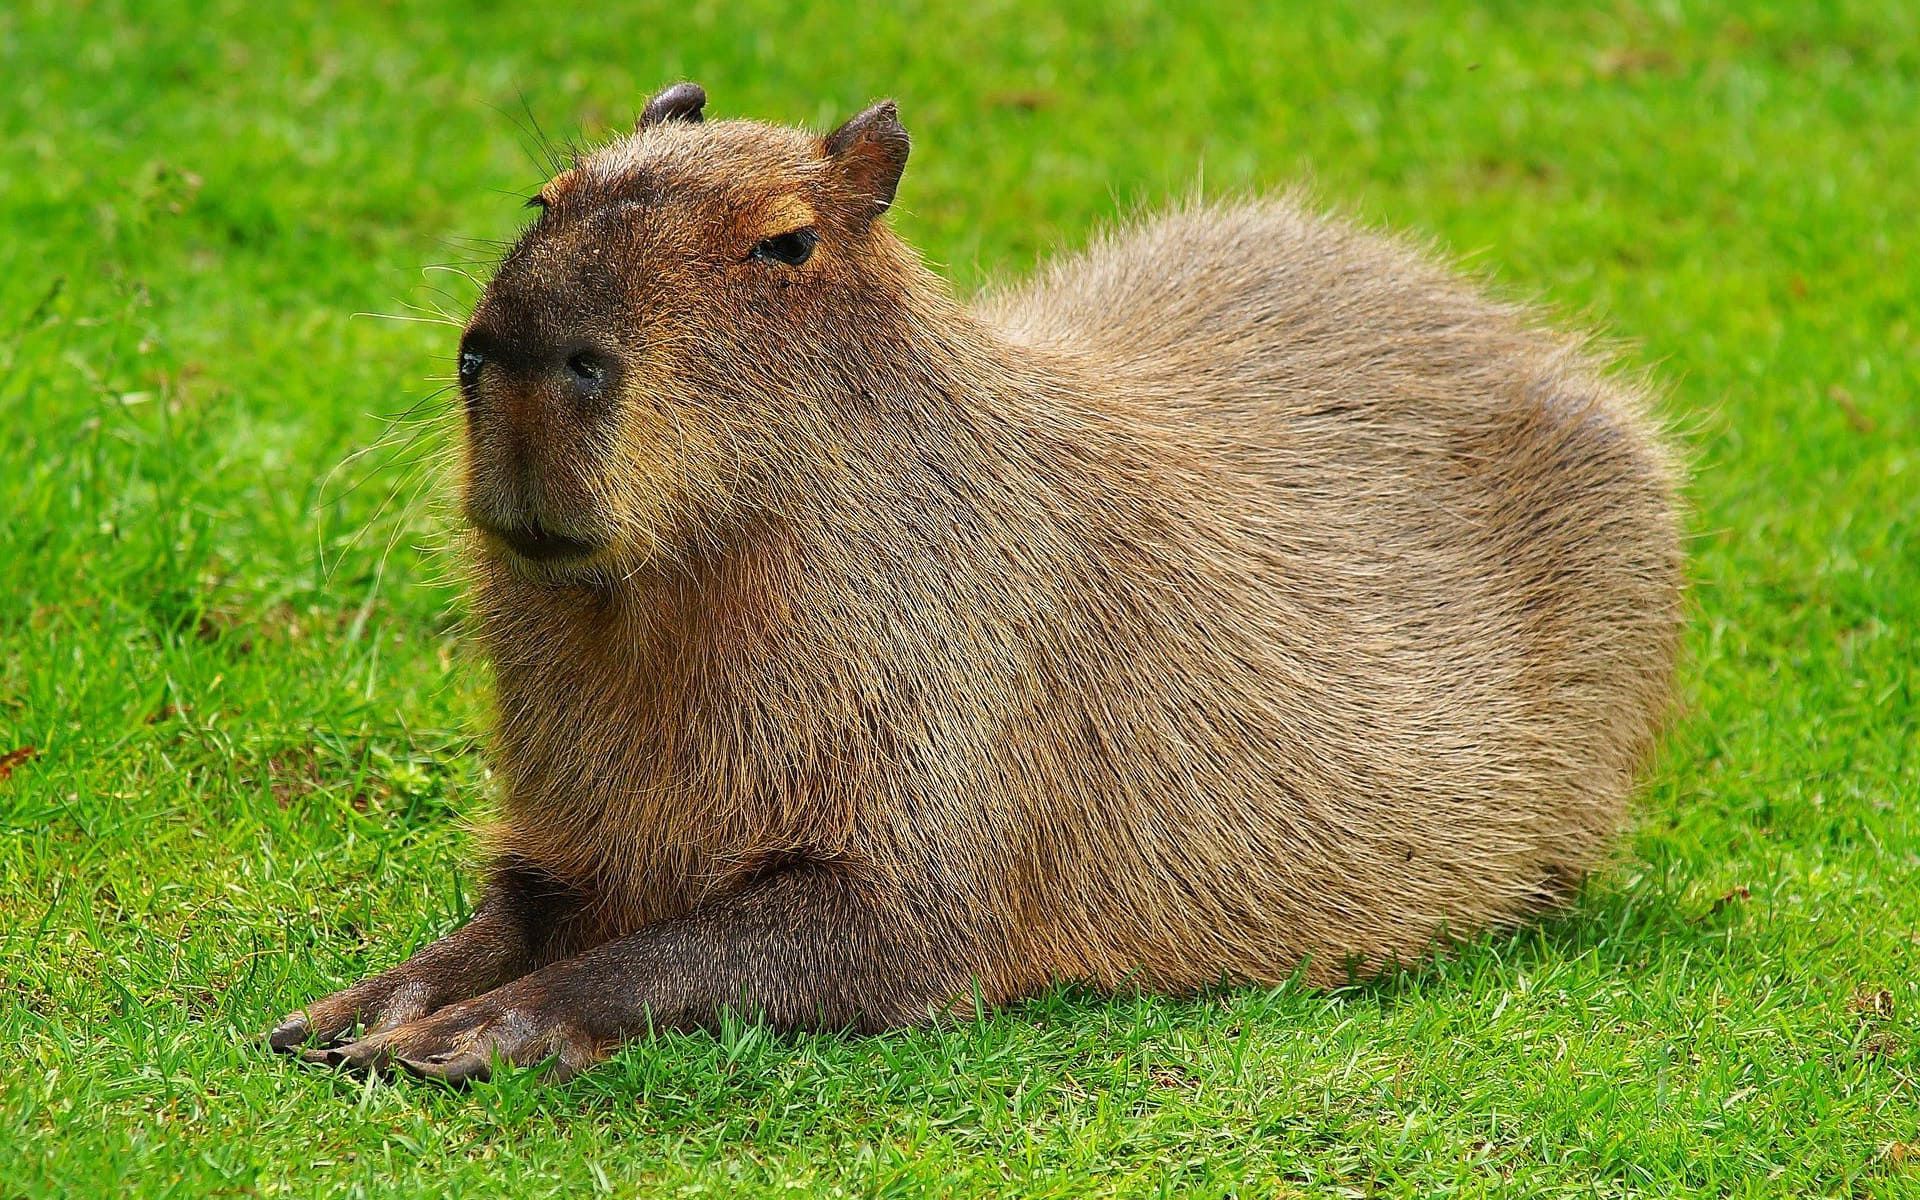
pixel 572 371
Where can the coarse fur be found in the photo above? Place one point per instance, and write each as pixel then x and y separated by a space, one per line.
pixel 1245 596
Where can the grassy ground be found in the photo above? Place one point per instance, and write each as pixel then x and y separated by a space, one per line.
pixel 242 727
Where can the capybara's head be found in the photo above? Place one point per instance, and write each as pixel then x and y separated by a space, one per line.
pixel 672 330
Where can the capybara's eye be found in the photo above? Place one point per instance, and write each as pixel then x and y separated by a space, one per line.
pixel 789 248
pixel 470 364
pixel 586 367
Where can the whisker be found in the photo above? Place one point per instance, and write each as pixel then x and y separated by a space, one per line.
pixel 409 475
pixel 413 482
pixel 408 439
pixel 439 320
pixel 451 269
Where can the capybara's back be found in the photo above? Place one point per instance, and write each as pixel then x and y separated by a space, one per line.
pixel 1248 596
pixel 1378 614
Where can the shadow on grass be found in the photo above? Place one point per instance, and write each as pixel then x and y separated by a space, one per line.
pixel 1635 926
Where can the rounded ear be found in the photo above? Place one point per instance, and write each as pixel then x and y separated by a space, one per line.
pixel 870 152
pixel 681 102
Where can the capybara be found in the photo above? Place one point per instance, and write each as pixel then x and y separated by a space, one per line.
pixel 1247 597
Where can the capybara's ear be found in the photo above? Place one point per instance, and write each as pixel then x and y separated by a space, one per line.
pixel 870 152
pixel 681 102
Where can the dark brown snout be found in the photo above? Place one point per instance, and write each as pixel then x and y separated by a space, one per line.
pixel 539 401
pixel 575 372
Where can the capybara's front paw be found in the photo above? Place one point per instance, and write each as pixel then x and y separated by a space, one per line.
pixel 520 1024
pixel 373 1006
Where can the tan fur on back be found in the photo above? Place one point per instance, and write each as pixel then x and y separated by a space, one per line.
pixel 1247 591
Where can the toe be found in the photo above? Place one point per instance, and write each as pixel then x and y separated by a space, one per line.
pixel 319 1025
pixel 368 1056
pixel 290 1034
pixel 452 1069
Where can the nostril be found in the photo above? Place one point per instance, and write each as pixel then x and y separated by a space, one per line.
pixel 470 364
pixel 586 366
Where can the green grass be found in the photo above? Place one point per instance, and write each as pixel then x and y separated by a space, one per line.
pixel 253 725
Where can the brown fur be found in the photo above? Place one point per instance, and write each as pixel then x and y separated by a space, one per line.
pixel 1242 596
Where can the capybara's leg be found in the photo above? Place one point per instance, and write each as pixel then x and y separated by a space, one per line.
pixel 525 921
pixel 806 947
